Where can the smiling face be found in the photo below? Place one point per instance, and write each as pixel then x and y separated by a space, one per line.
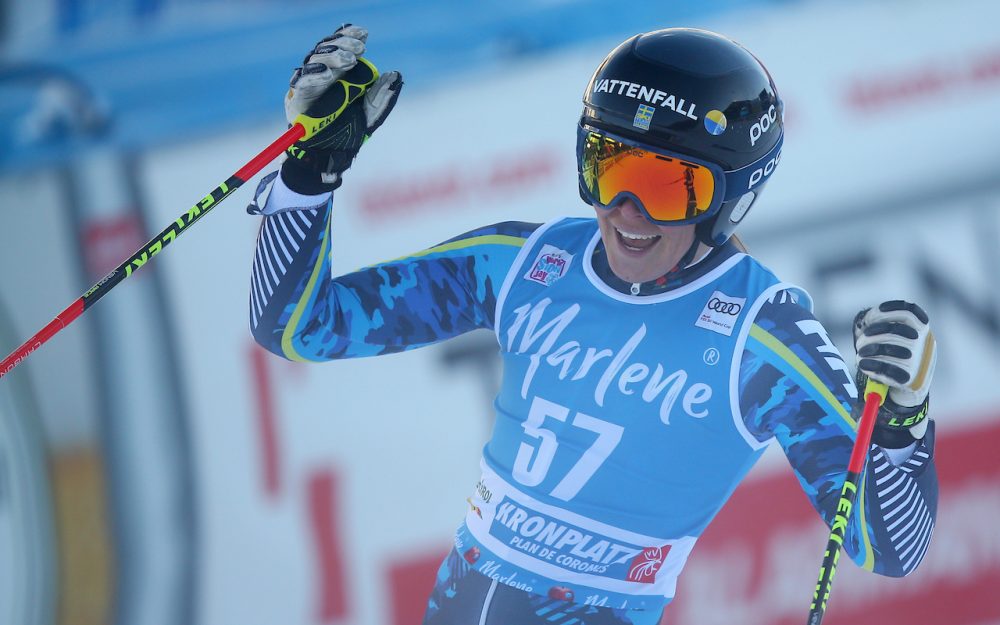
pixel 638 250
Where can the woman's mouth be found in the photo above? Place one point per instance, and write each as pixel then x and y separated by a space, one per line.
pixel 635 241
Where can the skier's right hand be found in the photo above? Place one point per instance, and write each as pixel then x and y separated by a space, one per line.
pixel 337 85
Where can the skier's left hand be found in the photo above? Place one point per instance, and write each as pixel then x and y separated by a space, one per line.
pixel 895 346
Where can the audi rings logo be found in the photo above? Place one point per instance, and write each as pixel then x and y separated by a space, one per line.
pixel 727 308
pixel 720 313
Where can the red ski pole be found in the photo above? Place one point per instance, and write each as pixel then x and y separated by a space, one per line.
pixel 152 248
pixel 354 84
pixel 874 396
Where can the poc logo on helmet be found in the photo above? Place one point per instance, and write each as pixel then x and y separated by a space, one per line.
pixel 760 174
pixel 763 125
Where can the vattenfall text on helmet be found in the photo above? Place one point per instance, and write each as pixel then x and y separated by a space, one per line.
pixel 647 94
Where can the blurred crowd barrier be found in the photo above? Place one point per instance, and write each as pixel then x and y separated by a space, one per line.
pixel 197 479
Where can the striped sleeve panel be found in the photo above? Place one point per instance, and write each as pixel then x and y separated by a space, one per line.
pixel 280 237
pixel 794 386
pixel 907 517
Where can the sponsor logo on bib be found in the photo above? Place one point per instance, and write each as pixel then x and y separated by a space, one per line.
pixel 721 313
pixel 550 265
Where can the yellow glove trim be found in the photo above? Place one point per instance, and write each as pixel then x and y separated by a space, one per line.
pixel 353 89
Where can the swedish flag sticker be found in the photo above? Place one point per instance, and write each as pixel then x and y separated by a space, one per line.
pixel 643 115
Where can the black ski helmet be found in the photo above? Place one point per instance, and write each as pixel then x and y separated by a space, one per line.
pixel 695 93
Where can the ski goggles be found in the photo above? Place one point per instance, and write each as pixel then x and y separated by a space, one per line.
pixel 670 188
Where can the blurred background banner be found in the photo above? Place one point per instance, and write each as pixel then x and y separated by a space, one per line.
pixel 156 467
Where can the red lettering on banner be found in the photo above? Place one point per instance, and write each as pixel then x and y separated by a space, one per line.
pixel 323 493
pixel 872 94
pixel 757 564
pixel 987 68
pixel 406 195
pixel 458 184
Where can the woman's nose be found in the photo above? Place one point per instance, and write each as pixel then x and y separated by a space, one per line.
pixel 630 209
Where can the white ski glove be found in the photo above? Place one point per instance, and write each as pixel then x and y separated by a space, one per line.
pixel 895 346
pixel 330 84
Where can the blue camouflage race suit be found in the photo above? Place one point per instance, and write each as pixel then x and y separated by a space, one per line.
pixel 623 422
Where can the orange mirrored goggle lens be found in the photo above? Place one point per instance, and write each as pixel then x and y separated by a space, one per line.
pixel 669 188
